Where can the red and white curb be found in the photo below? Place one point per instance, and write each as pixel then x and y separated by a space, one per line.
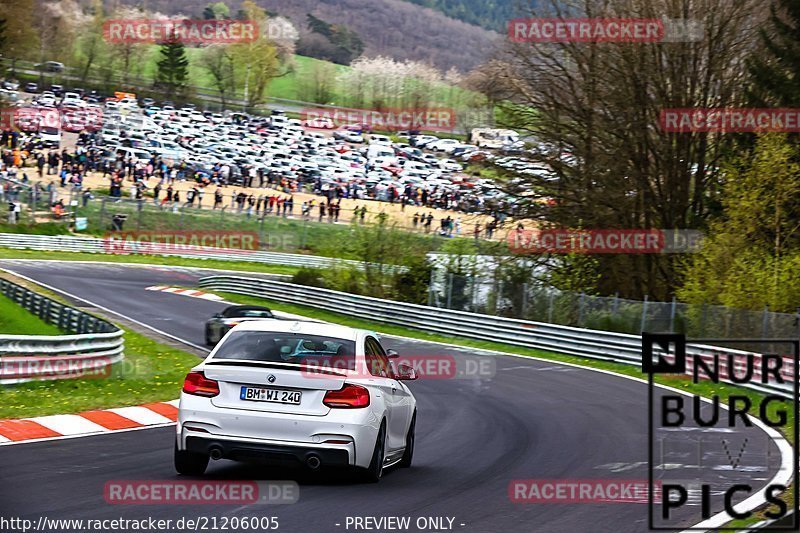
pixel 186 292
pixel 88 423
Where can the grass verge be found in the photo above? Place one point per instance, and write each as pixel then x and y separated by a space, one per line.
pixel 151 372
pixel 15 320
pixel 707 389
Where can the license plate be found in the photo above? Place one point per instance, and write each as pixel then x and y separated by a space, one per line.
pixel 257 394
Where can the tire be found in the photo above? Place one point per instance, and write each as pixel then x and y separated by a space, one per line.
pixel 190 463
pixel 408 454
pixel 373 473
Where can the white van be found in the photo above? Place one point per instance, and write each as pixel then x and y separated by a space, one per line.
pixel 493 138
pixel 50 136
pixel 72 99
pixel 141 156
pixel 379 150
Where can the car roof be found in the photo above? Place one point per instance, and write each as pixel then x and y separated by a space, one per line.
pixel 297 326
pixel 246 307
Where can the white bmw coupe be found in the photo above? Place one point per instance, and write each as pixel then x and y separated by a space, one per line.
pixel 291 392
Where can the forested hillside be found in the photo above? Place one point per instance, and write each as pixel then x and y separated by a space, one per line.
pixel 394 28
pixel 489 14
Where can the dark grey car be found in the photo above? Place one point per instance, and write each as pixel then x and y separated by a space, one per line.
pixel 218 325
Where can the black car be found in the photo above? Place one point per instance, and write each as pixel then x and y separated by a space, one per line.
pixel 57 90
pixel 218 325
pixel 31 87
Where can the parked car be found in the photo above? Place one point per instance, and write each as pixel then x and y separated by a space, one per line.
pixel 31 87
pixel 348 136
pixel 50 66
pixel 443 145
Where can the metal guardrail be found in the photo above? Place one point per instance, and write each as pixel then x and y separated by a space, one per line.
pixel 593 344
pixel 91 349
pixel 68 243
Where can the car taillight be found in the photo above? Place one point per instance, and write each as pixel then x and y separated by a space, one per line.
pixel 348 397
pixel 198 384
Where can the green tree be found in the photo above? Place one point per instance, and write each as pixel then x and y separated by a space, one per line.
pixel 776 70
pixel 90 45
pixel 173 68
pixel 3 37
pixel 256 63
pixel 751 255
pixel 20 39
pixel 216 10
pixel 217 60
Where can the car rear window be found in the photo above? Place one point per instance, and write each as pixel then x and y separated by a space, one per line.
pixel 296 348
pixel 250 313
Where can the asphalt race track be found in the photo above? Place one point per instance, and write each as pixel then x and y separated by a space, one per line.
pixel 533 419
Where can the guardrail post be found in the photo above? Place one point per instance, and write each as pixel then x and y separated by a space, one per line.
pixel 62 317
pixel 644 314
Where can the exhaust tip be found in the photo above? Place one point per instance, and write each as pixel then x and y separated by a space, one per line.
pixel 313 462
pixel 215 453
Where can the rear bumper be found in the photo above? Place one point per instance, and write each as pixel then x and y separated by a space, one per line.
pixel 245 435
pixel 277 454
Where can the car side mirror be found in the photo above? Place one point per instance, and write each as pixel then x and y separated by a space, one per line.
pixel 391 354
pixel 217 315
pixel 406 372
